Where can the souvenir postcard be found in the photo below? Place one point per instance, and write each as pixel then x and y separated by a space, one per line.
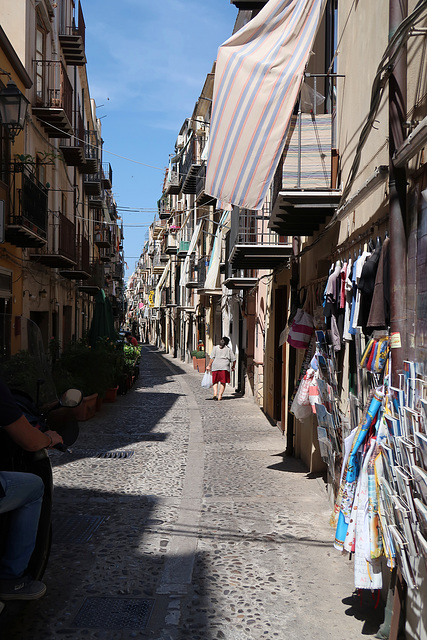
pixel 395 448
pixel 402 557
pixel 421 510
pixel 403 522
pixel 388 464
pixel 325 420
pixel 420 391
pixel 405 489
pixel 412 421
pixel 325 393
pixel 397 399
pixel 420 479
pixel 409 369
pixel 423 414
pixel 408 452
pixel 386 501
pixel 393 425
pixel 420 440
pixel 422 545
pixel 324 444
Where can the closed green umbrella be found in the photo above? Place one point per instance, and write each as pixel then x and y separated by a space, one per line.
pixel 102 325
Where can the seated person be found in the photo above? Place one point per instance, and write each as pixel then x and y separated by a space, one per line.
pixel 21 495
pixel 131 339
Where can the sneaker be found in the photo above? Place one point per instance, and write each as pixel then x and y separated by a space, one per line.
pixel 21 589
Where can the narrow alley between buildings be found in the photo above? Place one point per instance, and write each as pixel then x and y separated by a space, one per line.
pixel 200 529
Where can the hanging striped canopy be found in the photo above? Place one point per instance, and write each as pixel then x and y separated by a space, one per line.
pixel 258 75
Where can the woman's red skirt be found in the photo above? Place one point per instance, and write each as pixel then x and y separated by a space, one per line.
pixel 220 376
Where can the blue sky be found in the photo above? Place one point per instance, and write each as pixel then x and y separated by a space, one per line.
pixel 147 63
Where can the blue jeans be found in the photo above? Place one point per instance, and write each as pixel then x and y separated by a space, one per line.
pixel 23 499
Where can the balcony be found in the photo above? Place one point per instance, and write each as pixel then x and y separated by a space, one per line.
pixel 189 169
pixel 95 281
pixel 157 227
pixel 201 197
pixel 202 269
pixel 163 208
pixel 304 188
pixel 172 184
pixel 102 239
pixel 82 269
pixel 60 251
pixel 27 222
pixel 117 271
pixel 93 184
pixel 54 98
pixel 91 151
pixel 107 175
pixel 192 281
pixel 73 41
pixel 159 262
pixel 253 245
pixel 241 279
pixel 171 244
pixel 73 148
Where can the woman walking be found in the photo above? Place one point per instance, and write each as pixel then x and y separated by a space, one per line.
pixel 220 360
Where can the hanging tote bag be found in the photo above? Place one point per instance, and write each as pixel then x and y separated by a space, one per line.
pixel 301 330
pixel 207 380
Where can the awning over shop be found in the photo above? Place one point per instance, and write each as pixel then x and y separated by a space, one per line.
pixel 211 282
pixel 161 284
pixel 258 76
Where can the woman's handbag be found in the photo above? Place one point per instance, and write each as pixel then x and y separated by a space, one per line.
pixel 207 380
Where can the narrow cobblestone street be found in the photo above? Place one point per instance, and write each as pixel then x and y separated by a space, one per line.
pixel 200 531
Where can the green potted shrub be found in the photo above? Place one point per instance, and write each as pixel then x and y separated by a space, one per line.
pixel 131 356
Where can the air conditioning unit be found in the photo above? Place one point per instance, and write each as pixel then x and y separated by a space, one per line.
pixel 180 142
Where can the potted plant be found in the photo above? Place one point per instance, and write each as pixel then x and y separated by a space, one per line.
pixel 193 355
pixel 85 368
pixel 131 358
pixel 201 361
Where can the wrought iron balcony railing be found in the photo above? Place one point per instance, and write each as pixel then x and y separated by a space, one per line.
pixel 28 211
pixel 60 251
pixel 54 98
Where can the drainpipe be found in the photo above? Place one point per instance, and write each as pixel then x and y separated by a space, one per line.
pixel 398 11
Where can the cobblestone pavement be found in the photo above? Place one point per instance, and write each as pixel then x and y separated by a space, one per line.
pixel 202 530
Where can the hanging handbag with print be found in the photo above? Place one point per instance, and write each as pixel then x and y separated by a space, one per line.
pixel 301 330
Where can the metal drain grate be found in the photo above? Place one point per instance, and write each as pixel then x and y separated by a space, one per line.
pixel 77 528
pixel 114 613
pixel 114 455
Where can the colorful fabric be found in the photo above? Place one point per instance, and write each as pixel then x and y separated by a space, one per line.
pixel 257 79
pixel 347 489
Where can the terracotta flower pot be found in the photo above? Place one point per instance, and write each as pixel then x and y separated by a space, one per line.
pixel 201 365
pixel 111 394
pixel 194 362
pixel 86 409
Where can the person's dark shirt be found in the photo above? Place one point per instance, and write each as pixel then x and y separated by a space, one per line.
pixel 9 410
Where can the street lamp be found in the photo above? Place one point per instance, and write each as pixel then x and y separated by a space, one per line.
pixel 13 109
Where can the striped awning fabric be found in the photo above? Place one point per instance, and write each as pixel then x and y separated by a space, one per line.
pixel 258 76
